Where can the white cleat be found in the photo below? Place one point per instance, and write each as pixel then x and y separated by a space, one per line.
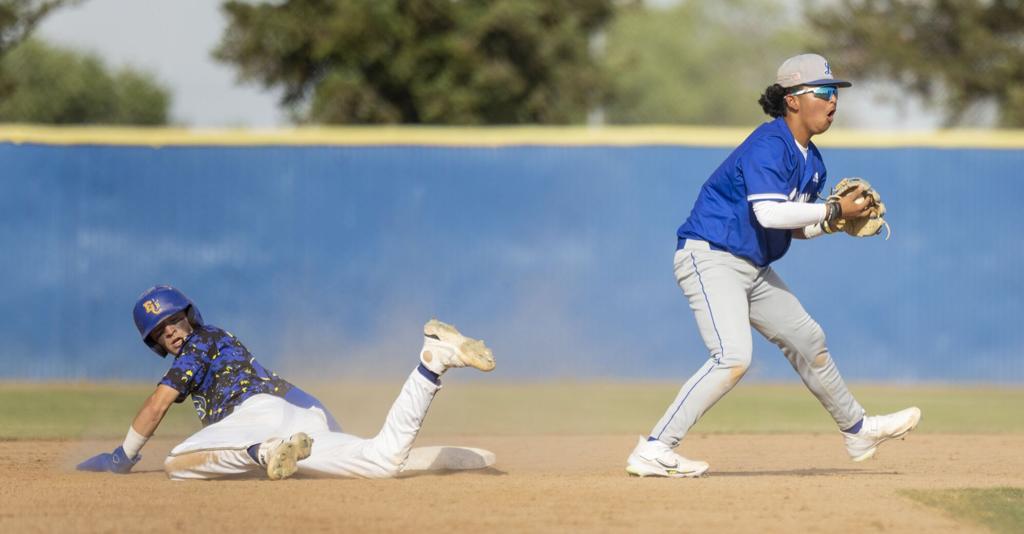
pixel 655 459
pixel 281 456
pixel 445 347
pixel 879 428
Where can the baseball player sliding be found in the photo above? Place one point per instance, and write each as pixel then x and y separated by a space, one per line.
pixel 745 217
pixel 255 420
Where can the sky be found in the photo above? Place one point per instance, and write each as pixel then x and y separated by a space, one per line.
pixel 173 40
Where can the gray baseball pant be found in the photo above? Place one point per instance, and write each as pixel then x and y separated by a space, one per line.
pixel 728 295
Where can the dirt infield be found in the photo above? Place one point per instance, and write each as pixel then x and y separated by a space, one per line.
pixel 764 483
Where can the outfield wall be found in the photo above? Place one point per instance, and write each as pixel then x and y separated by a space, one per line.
pixel 325 250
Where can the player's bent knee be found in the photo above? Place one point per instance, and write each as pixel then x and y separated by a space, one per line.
pixel 809 339
pixel 737 364
pixel 381 470
pixel 391 470
pixel 380 464
pixel 175 467
pixel 197 465
pixel 737 372
pixel 736 360
pixel 816 336
pixel 823 359
pixel 391 466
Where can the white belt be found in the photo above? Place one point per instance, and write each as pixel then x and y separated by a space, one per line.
pixel 696 244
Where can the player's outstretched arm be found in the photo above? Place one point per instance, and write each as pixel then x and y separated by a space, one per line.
pixel 154 409
pixel 148 419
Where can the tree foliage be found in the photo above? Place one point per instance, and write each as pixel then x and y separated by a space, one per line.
pixel 953 53
pixel 696 62
pixel 56 86
pixel 421 61
pixel 19 17
pixel 17 20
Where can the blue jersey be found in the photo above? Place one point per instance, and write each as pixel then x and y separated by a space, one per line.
pixel 220 373
pixel 767 166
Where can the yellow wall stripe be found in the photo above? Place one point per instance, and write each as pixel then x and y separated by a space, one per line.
pixel 490 136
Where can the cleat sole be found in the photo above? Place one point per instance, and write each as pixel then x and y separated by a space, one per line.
pixel 284 459
pixel 472 352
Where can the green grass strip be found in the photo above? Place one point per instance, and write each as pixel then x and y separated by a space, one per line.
pixel 1000 509
pixel 72 411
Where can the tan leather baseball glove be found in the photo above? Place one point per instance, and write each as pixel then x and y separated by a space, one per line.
pixel 874 217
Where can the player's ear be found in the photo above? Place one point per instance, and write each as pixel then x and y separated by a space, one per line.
pixel 792 103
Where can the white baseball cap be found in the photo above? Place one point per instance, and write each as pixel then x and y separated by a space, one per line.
pixel 807 69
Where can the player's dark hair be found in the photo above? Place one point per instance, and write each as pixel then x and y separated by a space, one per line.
pixel 773 101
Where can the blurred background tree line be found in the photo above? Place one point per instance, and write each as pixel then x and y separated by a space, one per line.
pixel 47 84
pixel 473 62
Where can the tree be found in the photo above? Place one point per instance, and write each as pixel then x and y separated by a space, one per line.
pixel 421 61
pixel 697 62
pixel 57 86
pixel 953 53
pixel 17 20
pixel 19 17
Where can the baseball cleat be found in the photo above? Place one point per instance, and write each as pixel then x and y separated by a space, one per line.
pixel 655 459
pixel 879 428
pixel 445 347
pixel 281 456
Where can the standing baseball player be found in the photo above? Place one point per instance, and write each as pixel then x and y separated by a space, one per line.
pixel 744 219
pixel 255 420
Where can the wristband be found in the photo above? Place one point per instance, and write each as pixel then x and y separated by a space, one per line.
pixel 133 443
pixel 832 213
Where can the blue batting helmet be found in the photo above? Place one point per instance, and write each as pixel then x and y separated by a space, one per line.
pixel 157 304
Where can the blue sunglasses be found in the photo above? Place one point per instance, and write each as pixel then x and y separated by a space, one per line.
pixel 824 92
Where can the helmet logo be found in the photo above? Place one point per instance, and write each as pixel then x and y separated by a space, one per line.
pixel 152 306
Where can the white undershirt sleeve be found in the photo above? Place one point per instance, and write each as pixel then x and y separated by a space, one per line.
pixel 788 215
pixel 813 230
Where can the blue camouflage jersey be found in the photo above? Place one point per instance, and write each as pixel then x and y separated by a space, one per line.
pixel 220 373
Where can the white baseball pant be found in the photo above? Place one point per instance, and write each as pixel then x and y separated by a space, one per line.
pixel 728 295
pixel 219 450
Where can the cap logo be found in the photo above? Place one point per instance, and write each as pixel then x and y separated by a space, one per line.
pixel 152 306
pixel 828 70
